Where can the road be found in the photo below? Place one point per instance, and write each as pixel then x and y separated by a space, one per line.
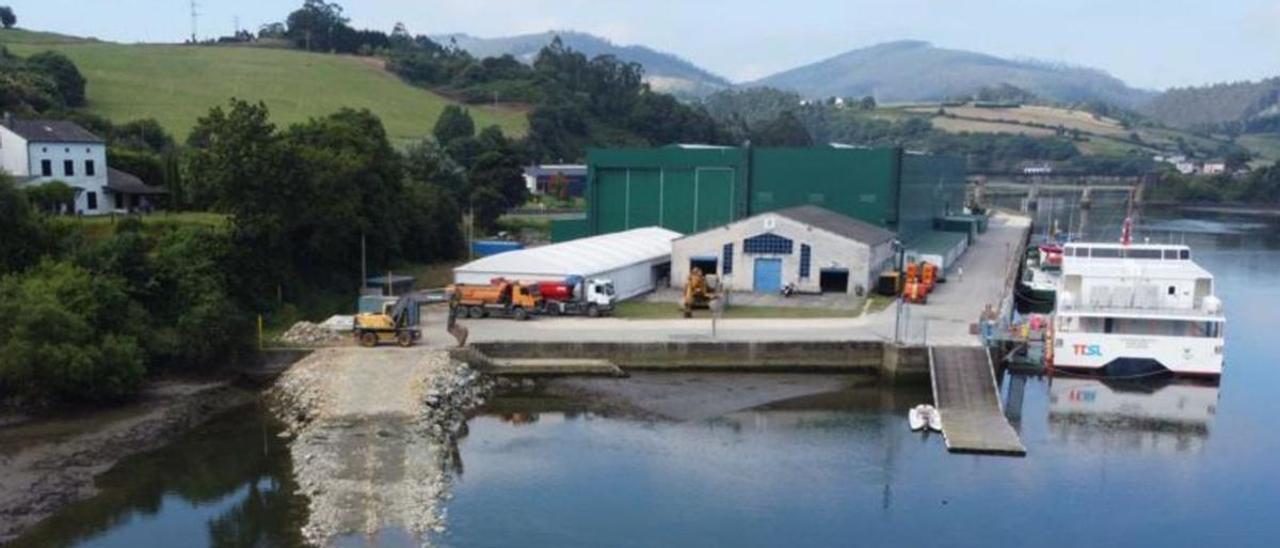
pixel 944 320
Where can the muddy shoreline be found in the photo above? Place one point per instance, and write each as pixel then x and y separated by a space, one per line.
pixel 49 464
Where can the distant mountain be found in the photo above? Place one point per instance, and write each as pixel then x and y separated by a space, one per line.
pixel 1243 102
pixel 913 70
pixel 664 71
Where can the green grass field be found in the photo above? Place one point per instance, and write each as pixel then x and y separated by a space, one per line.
pixel 177 84
pixel 102 226
pixel 1265 145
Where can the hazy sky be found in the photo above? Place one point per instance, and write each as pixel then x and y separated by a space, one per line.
pixel 1148 43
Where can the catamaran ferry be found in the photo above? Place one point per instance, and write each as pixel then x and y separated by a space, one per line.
pixel 1128 309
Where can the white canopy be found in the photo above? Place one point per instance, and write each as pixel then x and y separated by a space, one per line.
pixel 587 257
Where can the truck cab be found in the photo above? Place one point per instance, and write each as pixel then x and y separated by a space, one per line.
pixel 600 293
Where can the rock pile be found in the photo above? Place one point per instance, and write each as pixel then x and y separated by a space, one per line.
pixel 310 333
pixel 451 397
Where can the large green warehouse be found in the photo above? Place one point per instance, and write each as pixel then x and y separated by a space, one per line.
pixel 690 188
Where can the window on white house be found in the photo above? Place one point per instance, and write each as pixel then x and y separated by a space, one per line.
pixel 92 199
pixel 46 168
pixel 68 168
pixel 89 168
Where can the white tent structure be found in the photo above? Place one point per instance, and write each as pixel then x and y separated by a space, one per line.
pixel 633 259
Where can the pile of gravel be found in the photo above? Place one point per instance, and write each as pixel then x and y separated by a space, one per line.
pixel 310 333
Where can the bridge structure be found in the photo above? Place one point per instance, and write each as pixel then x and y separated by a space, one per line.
pixel 1030 187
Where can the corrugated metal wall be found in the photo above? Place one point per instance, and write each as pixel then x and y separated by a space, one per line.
pixel 932 187
pixel 692 189
pixel 854 182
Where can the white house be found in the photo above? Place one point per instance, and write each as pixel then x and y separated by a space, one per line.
pixel 35 152
pixel 808 247
pixel 1213 168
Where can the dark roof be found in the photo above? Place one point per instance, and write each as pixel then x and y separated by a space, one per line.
pixel 837 224
pixel 127 183
pixel 52 131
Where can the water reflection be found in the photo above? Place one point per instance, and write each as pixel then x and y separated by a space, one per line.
pixel 1142 417
pixel 227 484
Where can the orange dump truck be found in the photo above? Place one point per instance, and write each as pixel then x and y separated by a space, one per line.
pixel 500 298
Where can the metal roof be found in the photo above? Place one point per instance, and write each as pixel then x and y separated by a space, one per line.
pixel 835 223
pixel 52 131
pixel 582 257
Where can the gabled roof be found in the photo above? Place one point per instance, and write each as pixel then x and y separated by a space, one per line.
pixel 837 224
pixel 52 131
pixel 127 183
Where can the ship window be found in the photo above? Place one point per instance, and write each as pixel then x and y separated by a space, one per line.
pixel 1143 253
pixel 1173 290
pixel 1106 252
pixel 1185 254
pixel 1170 254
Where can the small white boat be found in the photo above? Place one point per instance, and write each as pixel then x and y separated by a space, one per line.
pixel 922 416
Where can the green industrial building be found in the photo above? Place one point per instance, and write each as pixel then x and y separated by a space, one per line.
pixel 691 188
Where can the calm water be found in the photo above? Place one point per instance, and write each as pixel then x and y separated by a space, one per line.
pixel 801 460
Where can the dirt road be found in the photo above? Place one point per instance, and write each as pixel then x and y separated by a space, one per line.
pixel 374 436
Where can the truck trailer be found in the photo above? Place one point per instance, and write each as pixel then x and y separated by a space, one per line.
pixel 501 298
pixel 577 296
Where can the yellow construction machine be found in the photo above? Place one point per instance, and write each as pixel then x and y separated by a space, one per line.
pixel 697 293
pixel 398 322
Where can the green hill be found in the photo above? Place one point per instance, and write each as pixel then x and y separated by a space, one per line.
pixel 177 84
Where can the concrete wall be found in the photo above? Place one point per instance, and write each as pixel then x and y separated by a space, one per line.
pixel 893 363
pixel 828 251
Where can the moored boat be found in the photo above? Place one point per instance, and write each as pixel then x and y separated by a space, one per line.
pixel 1135 309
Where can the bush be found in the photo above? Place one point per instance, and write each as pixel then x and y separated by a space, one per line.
pixel 64 336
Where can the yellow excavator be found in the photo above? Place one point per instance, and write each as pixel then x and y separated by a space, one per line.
pixel 397 322
pixel 697 293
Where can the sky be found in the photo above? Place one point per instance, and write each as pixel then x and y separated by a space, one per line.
pixel 1147 43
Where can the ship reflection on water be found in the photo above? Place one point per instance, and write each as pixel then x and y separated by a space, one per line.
pixel 1157 417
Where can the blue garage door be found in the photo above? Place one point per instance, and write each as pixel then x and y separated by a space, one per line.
pixel 768 275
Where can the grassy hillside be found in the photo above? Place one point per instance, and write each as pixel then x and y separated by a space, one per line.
pixel 1100 135
pixel 177 84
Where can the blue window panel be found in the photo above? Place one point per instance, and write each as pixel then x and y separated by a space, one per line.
pixel 767 244
pixel 805 253
pixel 728 258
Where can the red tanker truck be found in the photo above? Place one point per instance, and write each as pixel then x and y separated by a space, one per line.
pixel 577 296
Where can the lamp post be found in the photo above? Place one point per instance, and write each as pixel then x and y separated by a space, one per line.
pixel 897 322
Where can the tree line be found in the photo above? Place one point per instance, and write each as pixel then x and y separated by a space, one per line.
pixel 574 101
pixel 84 318
pixel 46 81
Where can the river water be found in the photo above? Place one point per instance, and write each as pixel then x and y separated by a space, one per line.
pixel 798 460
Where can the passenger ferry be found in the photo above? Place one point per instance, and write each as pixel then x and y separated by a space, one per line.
pixel 1131 309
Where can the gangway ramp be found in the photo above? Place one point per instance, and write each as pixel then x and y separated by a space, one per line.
pixel 965 393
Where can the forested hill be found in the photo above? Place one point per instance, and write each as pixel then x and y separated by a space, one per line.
pixel 912 70
pixel 1243 103
pixel 664 71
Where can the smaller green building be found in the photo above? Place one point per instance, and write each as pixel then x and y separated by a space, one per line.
pixel 690 188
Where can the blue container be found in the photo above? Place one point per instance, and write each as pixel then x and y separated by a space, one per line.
pixel 485 248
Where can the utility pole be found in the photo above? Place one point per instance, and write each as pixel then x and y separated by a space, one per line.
pixel 471 229
pixel 364 264
pixel 195 20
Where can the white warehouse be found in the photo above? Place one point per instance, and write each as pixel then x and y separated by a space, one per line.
pixel 808 247
pixel 637 261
